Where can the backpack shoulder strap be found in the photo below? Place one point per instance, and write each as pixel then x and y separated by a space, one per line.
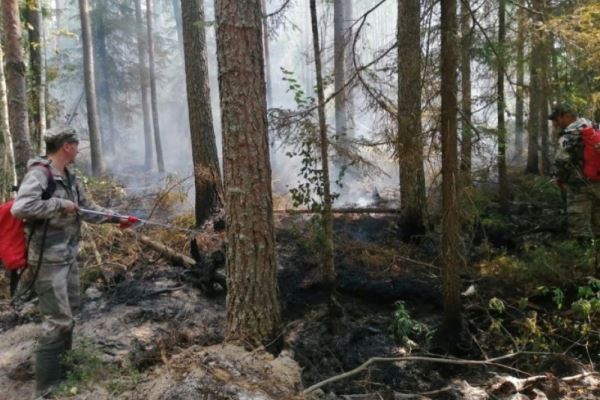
pixel 51 188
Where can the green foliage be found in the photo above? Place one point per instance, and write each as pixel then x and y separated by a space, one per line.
pixel 405 329
pixel 309 190
pixel 87 367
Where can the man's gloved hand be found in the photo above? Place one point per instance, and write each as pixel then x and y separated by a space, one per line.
pixel 128 222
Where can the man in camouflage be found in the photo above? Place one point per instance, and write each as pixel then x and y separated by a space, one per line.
pixel 583 196
pixel 53 228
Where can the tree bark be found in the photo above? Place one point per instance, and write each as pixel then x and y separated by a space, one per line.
pixel 348 21
pixel 104 92
pixel 535 89
pixel 450 234
pixel 502 174
pixel 143 70
pixel 546 59
pixel 520 90
pixel 153 94
pixel 33 16
pixel 207 177
pixel 339 64
pixel 16 86
pixel 7 174
pixel 327 218
pixel 90 89
pixel 466 43
pixel 253 310
pixel 410 142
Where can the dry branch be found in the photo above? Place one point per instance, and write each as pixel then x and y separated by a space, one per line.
pixel 373 360
pixel 172 255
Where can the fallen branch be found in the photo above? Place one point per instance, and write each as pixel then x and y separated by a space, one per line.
pixel 373 360
pixel 175 257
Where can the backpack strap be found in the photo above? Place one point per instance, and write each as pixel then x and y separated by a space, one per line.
pixel 51 188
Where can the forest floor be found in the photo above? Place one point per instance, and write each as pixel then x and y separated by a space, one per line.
pixel 146 331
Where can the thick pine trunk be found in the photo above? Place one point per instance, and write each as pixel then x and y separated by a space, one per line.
pixel 339 65
pixel 33 16
pixel 207 177
pixel 16 86
pixel 90 89
pixel 410 140
pixel 7 159
pixel 450 233
pixel 520 92
pixel 253 311
pixel 535 90
pixel 153 93
pixel 466 43
pixel 327 217
pixel 502 174
pixel 143 70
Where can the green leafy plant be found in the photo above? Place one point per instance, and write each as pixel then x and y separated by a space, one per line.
pixel 405 329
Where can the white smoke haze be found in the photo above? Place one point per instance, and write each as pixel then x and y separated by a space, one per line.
pixel 290 48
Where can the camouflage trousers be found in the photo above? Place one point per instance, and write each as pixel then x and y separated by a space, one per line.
pixel 583 211
pixel 57 287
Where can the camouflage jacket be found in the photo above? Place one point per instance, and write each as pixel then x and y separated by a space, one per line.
pixel 61 244
pixel 568 162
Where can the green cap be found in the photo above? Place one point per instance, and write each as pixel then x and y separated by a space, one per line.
pixel 60 135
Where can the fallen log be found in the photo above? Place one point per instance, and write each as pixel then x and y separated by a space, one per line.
pixel 177 258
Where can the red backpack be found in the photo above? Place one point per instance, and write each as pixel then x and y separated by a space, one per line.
pixel 591 153
pixel 13 244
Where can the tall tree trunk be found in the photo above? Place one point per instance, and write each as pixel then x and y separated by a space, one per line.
pixel 178 24
pixel 520 96
pixel 546 55
pixel 207 177
pixel 502 175
pixel 107 121
pixel 326 215
pixel 153 94
pixel 33 16
pixel 339 61
pixel 253 311
pixel 466 43
pixel 269 75
pixel 535 89
pixel 142 61
pixel 16 86
pixel 90 89
pixel 348 21
pixel 410 141
pixel 450 234
pixel 7 159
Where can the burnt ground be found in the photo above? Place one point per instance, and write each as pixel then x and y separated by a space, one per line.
pixel 150 317
pixel 370 280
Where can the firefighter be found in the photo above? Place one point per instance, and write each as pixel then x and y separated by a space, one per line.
pixel 582 195
pixel 53 228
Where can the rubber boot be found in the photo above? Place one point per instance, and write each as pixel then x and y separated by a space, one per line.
pixel 48 368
